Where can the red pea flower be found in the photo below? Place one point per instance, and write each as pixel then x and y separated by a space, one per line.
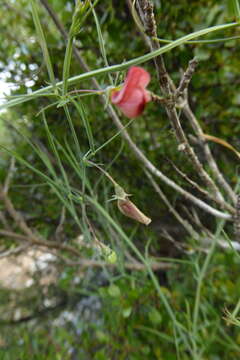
pixel 133 96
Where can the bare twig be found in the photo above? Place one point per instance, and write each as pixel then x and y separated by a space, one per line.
pixel 85 263
pixel 209 157
pixel 187 226
pixel 184 176
pixel 200 189
pixel 14 251
pixel 41 242
pixel 13 235
pixel 186 78
pixel 178 245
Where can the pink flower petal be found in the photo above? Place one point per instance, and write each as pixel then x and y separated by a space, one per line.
pixel 133 96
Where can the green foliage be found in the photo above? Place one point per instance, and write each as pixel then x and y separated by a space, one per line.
pixel 179 313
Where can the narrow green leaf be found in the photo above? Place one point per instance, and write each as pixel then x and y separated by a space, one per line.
pixel 101 41
pixel 42 41
pixel 74 135
pixel 80 108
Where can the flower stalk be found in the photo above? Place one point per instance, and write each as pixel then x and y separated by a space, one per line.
pixel 127 207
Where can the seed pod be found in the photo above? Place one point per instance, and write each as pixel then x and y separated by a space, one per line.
pixel 130 210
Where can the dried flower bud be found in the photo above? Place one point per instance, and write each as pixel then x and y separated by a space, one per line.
pixel 130 210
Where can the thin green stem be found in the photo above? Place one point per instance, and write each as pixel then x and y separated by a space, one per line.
pixel 200 41
pixel 109 140
pixel 104 172
pixel 201 277
pixel 119 67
